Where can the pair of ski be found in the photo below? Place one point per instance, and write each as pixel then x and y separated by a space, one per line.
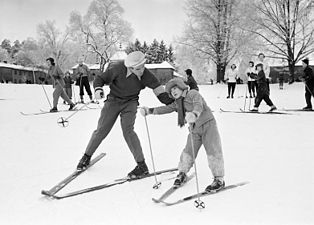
pixel 48 112
pixel 53 191
pixel 173 188
pixel 256 112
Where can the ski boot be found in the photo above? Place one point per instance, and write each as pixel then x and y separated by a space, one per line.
pixel 255 109
pixel 181 178
pixel 272 108
pixel 71 106
pixel 217 185
pixel 91 99
pixel 139 171
pixel 84 162
pixel 307 108
pixel 54 109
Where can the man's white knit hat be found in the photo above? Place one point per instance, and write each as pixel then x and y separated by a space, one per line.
pixel 135 59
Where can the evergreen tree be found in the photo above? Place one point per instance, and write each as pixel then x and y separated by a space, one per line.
pixel 170 55
pixel 15 48
pixel 6 44
pixel 137 45
pixel 152 53
pixel 145 47
pixel 162 52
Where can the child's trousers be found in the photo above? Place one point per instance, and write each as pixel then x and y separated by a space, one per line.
pixel 208 135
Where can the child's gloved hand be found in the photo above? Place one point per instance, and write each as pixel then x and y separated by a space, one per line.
pixel 144 111
pixel 99 93
pixel 190 117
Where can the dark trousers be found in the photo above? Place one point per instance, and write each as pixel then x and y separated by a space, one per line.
pixel 109 114
pixel 231 88
pixel 252 86
pixel 268 87
pixel 84 83
pixel 260 97
pixel 309 91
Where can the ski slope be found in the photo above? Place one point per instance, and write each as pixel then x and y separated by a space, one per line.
pixel 274 153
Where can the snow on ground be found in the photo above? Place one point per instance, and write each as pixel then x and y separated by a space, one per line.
pixel 274 153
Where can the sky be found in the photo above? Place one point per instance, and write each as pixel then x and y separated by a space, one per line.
pixel 160 19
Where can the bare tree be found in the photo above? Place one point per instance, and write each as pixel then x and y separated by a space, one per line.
pixel 102 29
pixel 53 40
pixel 287 28
pixel 213 30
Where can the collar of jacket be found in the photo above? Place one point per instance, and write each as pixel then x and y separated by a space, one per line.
pixel 128 73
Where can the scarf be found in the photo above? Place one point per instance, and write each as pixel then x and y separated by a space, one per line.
pixel 181 111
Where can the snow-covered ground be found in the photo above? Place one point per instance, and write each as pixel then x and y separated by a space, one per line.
pixel 274 153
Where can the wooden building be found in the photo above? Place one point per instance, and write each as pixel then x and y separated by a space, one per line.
pixel 11 73
pixel 277 72
pixel 163 71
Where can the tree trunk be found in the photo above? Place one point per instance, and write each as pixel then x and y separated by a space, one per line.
pixel 291 65
pixel 220 72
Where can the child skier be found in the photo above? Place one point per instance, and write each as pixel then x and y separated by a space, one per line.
pixel 262 89
pixel 192 108
pixel 68 85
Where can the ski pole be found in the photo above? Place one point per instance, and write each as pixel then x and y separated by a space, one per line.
pixel 46 94
pixel 73 92
pixel 245 97
pixel 64 122
pixel 198 203
pixel 157 184
pixel 308 89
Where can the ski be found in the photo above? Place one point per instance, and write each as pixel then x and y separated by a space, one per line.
pixel 95 102
pixel 252 112
pixel 202 194
pixel 297 110
pixel 267 112
pixel 171 190
pixel 48 112
pixel 68 179
pixel 107 185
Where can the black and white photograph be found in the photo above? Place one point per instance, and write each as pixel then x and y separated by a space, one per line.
pixel 149 112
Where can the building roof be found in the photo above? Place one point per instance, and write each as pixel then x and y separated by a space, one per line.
pixel 18 67
pixel 90 66
pixel 176 74
pixel 163 65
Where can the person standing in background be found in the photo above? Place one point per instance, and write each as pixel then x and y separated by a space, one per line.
pixel 191 82
pixel 309 84
pixel 82 75
pixel 68 85
pixel 231 78
pixel 251 82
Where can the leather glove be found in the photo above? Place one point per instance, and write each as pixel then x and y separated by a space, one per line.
pixel 99 93
pixel 190 117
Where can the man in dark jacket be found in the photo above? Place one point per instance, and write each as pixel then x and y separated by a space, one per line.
pixel 190 80
pixel 309 83
pixel 125 79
